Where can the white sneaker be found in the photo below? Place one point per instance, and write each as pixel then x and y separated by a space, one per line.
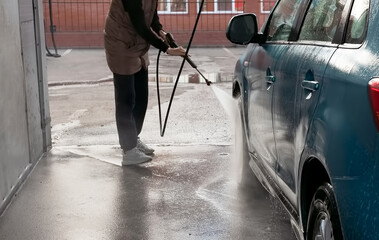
pixel 134 156
pixel 144 148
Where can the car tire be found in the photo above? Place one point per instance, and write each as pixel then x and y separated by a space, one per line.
pixel 323 217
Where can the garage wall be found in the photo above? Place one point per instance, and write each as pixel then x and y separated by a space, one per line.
pixel 23 102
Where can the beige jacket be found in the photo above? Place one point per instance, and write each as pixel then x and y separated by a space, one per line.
pixel 126 51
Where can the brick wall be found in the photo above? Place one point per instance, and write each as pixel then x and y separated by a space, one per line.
pixel 80 23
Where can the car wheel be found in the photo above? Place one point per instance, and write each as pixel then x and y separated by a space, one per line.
pixel 323 218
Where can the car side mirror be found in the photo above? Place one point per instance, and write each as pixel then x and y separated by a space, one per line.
pixel 243 29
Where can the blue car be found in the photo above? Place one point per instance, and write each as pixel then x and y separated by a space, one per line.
pixel 308 91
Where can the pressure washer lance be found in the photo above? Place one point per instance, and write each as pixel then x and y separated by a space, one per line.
pixel 172 43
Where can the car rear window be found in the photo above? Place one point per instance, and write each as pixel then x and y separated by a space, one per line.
pixel 322 20
pixel 356 30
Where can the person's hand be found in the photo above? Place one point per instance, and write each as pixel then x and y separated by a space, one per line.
pixel 179 51
pixel 162 34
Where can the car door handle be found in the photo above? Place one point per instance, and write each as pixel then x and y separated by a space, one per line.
pixel 270 79
pixel 310 85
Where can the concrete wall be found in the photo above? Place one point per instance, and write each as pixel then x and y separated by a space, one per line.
pixel 24 119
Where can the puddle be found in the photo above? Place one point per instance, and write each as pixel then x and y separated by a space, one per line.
pixel 105 153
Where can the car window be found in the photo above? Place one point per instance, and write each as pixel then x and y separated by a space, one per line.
pixel 282 19
pixel 321 20
pixel 358 22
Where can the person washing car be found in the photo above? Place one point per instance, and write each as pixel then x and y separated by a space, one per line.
pixel 130 28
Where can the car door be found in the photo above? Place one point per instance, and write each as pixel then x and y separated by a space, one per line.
pixel 261 83
pixel 299 77
pixel 351 137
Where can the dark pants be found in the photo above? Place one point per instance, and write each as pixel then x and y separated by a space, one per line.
pixel 131 96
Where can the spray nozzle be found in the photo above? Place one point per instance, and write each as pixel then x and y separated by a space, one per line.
pixel 171 42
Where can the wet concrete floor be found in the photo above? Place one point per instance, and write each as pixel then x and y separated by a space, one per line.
pixel 182 194
pixel 80 191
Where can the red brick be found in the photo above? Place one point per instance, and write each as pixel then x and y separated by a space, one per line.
pixel 81 23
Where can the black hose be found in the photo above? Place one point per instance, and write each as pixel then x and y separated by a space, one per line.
pixel 52 30
pixel 162 130
pixel 159 96
pixel 49 54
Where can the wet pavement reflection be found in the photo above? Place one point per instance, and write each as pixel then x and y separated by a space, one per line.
pixel 187 192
